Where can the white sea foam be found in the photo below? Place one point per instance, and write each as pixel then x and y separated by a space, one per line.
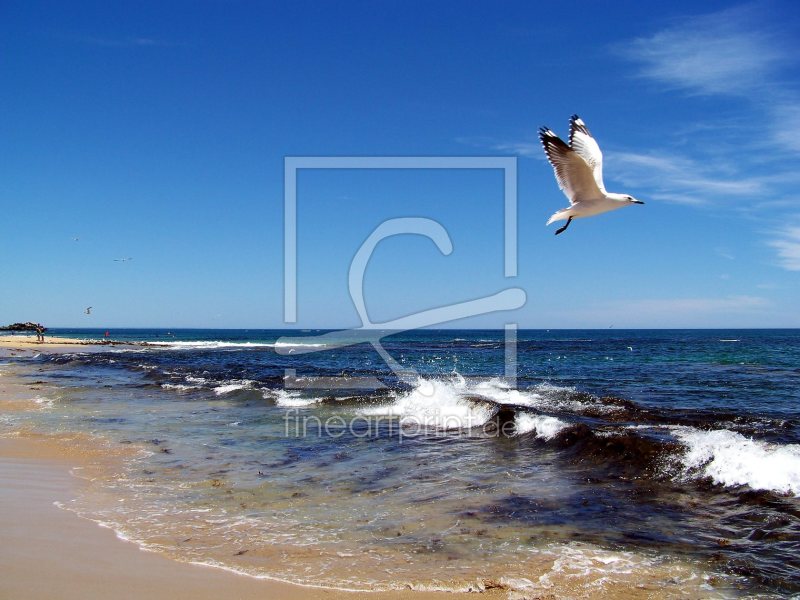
pixel 544 396
pixel 232 386
pixel 299 345
pixel 291 399
pixel 731 459
pixel 435 404
pixel 44 402
pixel 208 345
pixel 179 386
pixel 546 427
pixel 450 404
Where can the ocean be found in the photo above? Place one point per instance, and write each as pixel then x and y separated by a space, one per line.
pixel 660 461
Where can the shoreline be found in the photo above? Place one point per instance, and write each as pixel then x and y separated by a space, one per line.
pixel 93 561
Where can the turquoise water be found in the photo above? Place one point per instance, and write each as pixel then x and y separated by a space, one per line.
pixel 615 456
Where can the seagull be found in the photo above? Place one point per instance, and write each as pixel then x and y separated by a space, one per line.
pixel 122 259
pixel 88 310
pixel 579 172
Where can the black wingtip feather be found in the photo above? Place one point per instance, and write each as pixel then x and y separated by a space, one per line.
pixel 577 124
pixel 550 141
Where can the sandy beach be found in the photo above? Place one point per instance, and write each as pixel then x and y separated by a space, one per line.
pixel 48 551
pixel 51 343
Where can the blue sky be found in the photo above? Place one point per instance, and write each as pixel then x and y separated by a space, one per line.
pixel 157 131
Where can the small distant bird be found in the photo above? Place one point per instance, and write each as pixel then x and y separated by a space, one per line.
pixel 75 239
pixel 579 171
pixel 122 259
pixel 88 310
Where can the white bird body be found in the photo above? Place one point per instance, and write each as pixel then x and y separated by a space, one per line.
pixel 588 207
pixel 578 169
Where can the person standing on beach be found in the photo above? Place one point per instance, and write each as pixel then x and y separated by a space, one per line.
pixel 40 334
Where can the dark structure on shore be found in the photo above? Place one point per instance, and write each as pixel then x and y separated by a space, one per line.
pixel 29 326
pixel 38 328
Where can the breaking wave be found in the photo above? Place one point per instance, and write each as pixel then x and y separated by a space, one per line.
pixel 458 403
pixel 730 459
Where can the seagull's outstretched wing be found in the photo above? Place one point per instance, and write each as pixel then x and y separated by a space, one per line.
pixel 573 173
pixel 582 142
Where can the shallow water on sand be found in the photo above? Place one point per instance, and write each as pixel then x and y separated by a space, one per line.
pixel 621 463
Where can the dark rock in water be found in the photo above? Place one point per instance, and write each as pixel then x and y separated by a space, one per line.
pixel 503 422
pixel 504 416
pixel 624 454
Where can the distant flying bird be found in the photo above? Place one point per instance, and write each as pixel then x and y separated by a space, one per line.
pixel 122 259
pixel 75 239
pixel 88 310
pixel 579 171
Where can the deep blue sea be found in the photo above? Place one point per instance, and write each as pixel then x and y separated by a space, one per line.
pixel 602 461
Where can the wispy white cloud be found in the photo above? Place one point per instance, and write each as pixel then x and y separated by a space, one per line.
pixel 734 52
pixel 739 52
pixel 719 53
pixel 724 253
pixel 527 148
pixel 786 124
pixel 680 179
pixel 787 244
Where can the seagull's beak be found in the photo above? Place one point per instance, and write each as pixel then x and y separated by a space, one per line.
pixel 637 201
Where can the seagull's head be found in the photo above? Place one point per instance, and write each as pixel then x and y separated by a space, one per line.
pixel 632 200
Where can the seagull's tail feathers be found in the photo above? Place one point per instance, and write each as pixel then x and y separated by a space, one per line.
pixel 561 215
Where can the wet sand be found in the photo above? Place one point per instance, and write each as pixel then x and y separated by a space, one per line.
pixel 48 552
